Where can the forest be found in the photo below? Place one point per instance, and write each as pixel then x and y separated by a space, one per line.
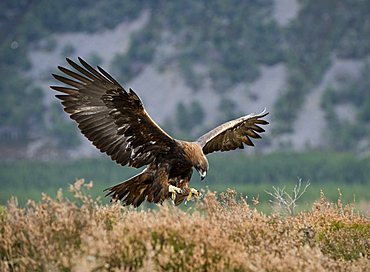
pixel 205 34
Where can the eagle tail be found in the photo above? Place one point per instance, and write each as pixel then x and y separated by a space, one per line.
pixel 132 191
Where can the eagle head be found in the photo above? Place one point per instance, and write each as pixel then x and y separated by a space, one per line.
pixel 202 167
pixel 194 154
pixel 200 163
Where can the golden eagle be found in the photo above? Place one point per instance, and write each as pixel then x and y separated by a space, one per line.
pixel 115 121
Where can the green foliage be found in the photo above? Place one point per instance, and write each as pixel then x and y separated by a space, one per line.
pixel 16 111
pixel 227 109
pixel 340 27
pixel 27 179
pixel 252 176
pixel 67 50
pixel 345 240
pixel 344 134
pixel 188 118
pixel 286 166
pixel 62 16
pixel 287 104
pixel 63 131
pixel 94 60
pixel 191 77
pixel 140 53
pixel 230 40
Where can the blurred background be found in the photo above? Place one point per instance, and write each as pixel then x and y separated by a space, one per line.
pixel 195 64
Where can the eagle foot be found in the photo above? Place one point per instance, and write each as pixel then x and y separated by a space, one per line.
pixel 174 190
pixel 192 193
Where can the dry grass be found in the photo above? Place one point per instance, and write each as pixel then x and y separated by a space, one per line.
pixel 220 234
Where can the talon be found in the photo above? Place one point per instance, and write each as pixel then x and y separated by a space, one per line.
pixel 192 192
pixel 174 190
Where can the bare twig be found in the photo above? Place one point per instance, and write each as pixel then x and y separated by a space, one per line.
pixel 286 201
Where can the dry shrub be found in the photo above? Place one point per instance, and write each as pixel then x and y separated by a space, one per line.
pixel 220 234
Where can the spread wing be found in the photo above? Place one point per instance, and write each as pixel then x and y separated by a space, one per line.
pixel 113 119
pixel 231 135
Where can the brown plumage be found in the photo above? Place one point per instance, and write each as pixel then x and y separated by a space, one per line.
pixel 115 121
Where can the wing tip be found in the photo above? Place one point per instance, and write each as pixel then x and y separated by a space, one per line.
pixel 263 113
pixel 54 87
pixel 61 68
pixel 56 76
pixel 84 63
pixel 70 62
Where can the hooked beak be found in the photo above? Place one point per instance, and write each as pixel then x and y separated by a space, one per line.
pixel 202 174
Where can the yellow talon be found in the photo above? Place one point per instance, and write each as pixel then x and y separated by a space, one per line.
pixel 174 190
pixel 192 192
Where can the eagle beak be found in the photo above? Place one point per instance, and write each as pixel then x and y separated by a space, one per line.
pixel 202 174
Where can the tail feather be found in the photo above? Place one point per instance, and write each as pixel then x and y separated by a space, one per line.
pixel 132 191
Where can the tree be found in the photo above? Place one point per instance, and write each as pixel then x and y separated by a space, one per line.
pixel 21 108
pixel 190 117
pixel 64 132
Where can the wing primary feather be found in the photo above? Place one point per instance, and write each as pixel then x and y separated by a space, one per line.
pixel 74 75
pixel 65 98
pixel 91 69
pixel 261 122
pixel 81 70
pixel 68 81
pixel 248 141
pixel 252 134
pixel 101 70
pixel 65 90
pixel 257 128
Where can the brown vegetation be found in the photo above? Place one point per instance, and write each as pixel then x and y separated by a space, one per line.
pixel 221 233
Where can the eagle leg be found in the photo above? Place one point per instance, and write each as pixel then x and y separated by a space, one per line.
pixel 174 190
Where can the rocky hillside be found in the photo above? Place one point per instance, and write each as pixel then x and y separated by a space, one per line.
pixel 195 64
